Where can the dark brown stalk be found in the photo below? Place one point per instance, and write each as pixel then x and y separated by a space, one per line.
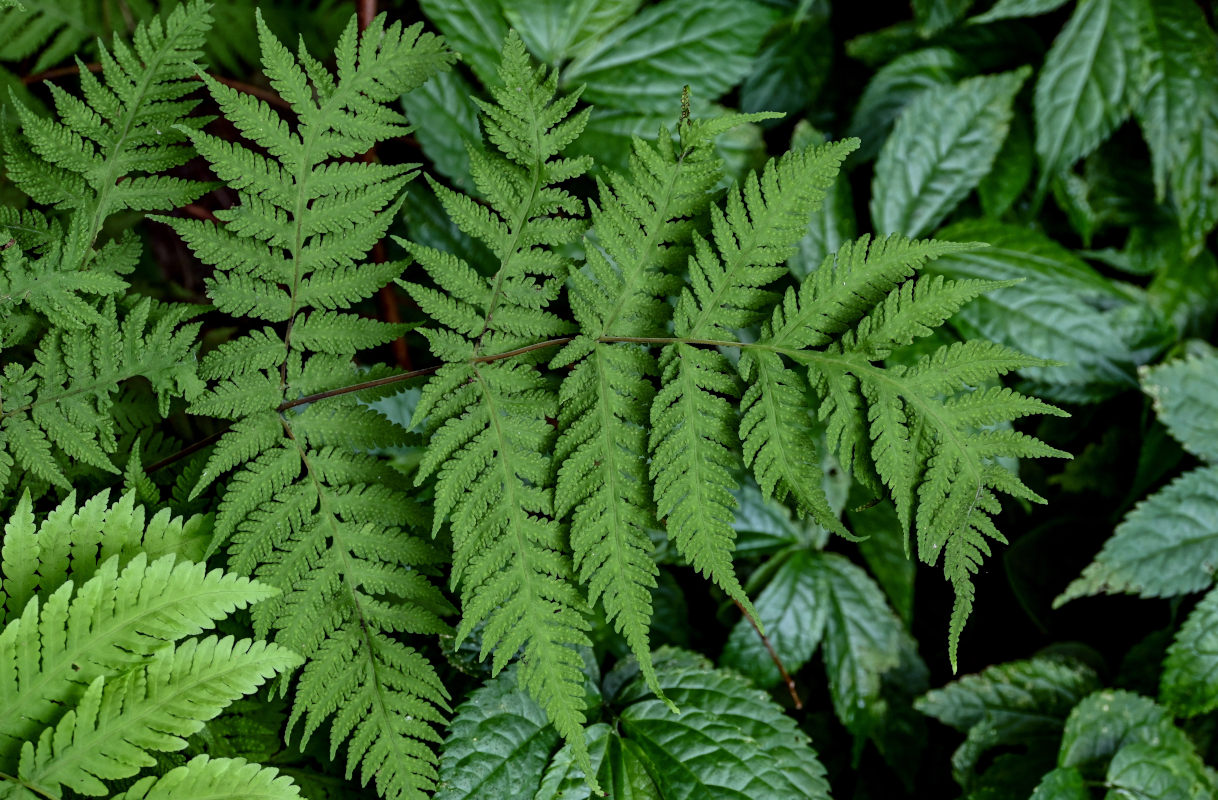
pixel 782 670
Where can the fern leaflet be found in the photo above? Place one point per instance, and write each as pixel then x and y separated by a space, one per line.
pixel 693 433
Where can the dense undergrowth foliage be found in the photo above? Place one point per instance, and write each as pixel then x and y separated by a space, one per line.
pixel 533 390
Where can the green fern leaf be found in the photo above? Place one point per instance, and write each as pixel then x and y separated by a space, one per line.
pixel 643 230
pixel 216 779
pixel 302 510
pixel 60 407
pixel 694 432
pixel 490 439
pixel 152 707
pixel 915 433
pixel 104 152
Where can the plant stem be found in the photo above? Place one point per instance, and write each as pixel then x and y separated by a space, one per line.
pixel 782 670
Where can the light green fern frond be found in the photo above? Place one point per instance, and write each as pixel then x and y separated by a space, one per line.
pixel 923 434
pixel 59 409
pixel 215 779
pixel 153 706
pixel 93 670
pixel 304 509
pixel 693 435
pixel 491 442
pixel 36 560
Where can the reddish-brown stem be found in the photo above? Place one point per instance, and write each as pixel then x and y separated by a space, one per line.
pixel 241 86
pixel 199 212
pixel 782 670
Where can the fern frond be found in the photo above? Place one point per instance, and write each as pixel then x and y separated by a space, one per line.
pixel 117 619
pixel 918 433
pixel 106 150
pixel 693 436
pixel 644 227
pixel 62 26
pixel 35 560
pixel 302 509
pixel 215 779
pixel 60 407
pixel 154 706
pixel 490 441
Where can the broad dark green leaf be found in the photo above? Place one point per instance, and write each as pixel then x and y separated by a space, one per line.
pixel 619 769
pixel 893 87
pixel 933 16
pixel 1063 783
pixel 643 64
pixel 475 29
pixel 1012 170
pixel 884 551
pixel 445 120
pixel 1022 702
pixel 730 740
pixel 555 29
pixel 862 640
pixel 1190 672
pixel 943 144
pixel 791 68
pixel 1063 310
pixel 1167 546
pixel 1185 394
pixel 1008 9
pixel 1109 720
pixel 498 744
pixel 792 609
pixel 1086 86
pixel 1178 110
pixel 1142 769
pixel 766 526
pixel 1186 294
pixel 831 225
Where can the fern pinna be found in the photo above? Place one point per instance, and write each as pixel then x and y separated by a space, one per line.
pixel 534 511
pixel 303 509
pixel 95 667
pixel 62 284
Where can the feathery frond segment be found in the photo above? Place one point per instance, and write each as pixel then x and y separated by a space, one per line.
pixel 490 445
pixel 304 509
pixel 106 150
pixel 693 435
pixel 57 412
pixel 929 435
pixel 93 666
pixel 644 226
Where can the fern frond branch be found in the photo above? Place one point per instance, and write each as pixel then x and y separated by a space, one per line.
pixel 875 373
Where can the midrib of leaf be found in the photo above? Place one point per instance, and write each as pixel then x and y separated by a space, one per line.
pixel 35 693
pixel 518 226
pixel 510 485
